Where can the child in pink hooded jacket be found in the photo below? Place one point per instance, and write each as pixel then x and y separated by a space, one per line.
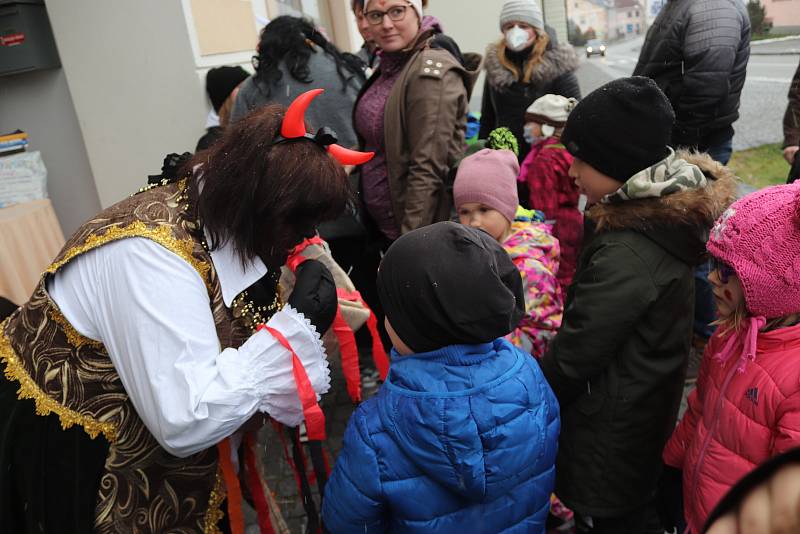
pixel 746 407
pixel 545 173
pixel 485 195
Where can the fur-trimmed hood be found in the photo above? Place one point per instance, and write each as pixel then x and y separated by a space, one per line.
pixel 663 218
pixel 557 61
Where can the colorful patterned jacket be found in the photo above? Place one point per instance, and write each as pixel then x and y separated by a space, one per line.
pixel 536 253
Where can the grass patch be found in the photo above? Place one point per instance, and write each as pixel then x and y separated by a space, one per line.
pixel 761 166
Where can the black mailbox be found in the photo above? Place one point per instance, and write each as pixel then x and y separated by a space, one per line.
pixel 26 38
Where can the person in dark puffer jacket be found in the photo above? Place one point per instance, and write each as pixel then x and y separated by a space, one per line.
pixel 697 52
pixel 462 435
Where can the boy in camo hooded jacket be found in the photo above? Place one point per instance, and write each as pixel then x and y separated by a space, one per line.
pixel 618 362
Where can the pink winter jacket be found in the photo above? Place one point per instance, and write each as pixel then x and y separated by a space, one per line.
pixel 736 420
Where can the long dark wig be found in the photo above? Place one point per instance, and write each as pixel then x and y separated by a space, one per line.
pixel 264 198
pixel 292 40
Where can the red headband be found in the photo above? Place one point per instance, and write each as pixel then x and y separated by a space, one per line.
pixel 294 127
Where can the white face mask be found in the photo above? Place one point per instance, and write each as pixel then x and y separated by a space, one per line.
pixel 517 38
pixel 528 135
pixel 583 200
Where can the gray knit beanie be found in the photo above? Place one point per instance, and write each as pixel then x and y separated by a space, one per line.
pixel 527 11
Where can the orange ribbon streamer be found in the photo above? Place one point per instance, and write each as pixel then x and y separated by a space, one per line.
pixel 235 514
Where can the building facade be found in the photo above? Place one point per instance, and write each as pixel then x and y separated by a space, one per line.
pixel 589 15
pixel 626 18
pixel 653 8
pixel 784 15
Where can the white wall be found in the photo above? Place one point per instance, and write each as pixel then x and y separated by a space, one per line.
pixel 132 75
pixel 40 103
pixel 555 14
pixel 473 24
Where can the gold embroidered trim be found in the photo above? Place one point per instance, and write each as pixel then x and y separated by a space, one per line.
pixel 74 337
pixel 254 315
pixel 160 234
pixel 214 513
pixel 28 389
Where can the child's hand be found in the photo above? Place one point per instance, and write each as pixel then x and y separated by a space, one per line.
pixel 771 508
pixel 789 153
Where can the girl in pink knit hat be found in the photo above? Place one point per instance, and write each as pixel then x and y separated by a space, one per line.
pixel 746 407
pixel 485 195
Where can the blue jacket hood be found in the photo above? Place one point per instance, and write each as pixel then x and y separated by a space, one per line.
pixel 469 418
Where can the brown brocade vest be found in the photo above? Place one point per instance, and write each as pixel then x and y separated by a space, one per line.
pixel 143 488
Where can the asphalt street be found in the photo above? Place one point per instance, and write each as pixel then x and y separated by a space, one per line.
pixel 763 103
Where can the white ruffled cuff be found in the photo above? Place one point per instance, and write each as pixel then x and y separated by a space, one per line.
pixel 265 366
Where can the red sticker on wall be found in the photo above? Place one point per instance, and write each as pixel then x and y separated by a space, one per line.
pixel 13 39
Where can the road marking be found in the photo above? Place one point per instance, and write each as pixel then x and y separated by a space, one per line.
pixel 623 61
pixel 763 79
pixel 789 62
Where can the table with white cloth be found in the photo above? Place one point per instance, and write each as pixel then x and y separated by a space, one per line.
pixel 30 238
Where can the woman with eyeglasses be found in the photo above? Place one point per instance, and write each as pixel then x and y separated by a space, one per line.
pixel 526 64
pixel 412 114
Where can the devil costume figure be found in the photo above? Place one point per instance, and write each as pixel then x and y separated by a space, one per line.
pixel 158 339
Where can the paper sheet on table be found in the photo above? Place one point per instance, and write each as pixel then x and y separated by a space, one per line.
pixel 23 178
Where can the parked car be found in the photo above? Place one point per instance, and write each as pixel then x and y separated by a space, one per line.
pixel 595 46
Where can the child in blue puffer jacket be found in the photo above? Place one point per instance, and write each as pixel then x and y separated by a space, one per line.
pixel 462 436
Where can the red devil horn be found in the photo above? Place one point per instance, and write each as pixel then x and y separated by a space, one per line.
pixel 346 156
pixel 294 124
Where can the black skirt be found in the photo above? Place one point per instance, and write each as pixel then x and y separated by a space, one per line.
pixel 49 477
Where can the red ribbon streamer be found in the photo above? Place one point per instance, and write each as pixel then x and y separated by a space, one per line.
pixel 344 334
pixel 378 353
pixel 315 419
pixel 347 347
pixel 256 488
pixel 295 256
pixel 342 331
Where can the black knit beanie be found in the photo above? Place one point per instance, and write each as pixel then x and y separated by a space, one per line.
pixel 621 128
pixel 221 82
pixel 449 284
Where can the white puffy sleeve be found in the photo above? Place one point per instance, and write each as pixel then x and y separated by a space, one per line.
pixel 151 310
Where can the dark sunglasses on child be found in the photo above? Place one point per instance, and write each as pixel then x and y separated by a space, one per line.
pixel 725 271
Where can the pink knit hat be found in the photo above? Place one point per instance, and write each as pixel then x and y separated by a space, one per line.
pixel 489 177
pixel 759 237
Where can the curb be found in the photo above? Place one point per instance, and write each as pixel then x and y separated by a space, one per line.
pixel 775 40
pixel 793 52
